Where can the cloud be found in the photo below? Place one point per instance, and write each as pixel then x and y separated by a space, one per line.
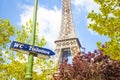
pixel 90 30
pixel 87 4
pixel 49 19
pixel 49 22
pixel 93 32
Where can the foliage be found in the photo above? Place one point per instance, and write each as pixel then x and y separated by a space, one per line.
pixel 43 69
pixel 6 31
pixel 13 64
pixel 12 71
pixel 89 66
pixel 107 23
pixel 47 69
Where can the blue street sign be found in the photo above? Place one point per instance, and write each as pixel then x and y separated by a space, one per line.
pixel 26 48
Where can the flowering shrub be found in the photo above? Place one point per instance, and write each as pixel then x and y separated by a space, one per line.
pixel 89 66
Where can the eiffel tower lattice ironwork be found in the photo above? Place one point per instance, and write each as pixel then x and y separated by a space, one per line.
pixel 67 43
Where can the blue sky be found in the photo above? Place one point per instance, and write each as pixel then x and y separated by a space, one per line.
pixel 49 17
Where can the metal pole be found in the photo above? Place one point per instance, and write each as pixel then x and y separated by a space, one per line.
pixel 29 68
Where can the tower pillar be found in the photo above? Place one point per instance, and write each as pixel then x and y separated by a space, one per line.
pixel 67 44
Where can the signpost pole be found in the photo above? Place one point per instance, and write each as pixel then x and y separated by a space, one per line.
pixel 29 67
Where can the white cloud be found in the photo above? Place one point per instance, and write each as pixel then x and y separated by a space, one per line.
pixel 49 22
pixel 87 4
pixel 90 30
pixel 93 32
pixel 78 2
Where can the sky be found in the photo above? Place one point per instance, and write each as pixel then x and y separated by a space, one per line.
pixel 49 19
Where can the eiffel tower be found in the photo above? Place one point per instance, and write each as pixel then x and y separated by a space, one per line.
pixel 67 44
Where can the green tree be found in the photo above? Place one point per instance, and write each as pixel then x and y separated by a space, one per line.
pixel 6 30
pixel 14 64
pixel 42 69
pixel 107 23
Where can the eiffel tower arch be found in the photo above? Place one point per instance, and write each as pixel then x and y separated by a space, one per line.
pixel 67 44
